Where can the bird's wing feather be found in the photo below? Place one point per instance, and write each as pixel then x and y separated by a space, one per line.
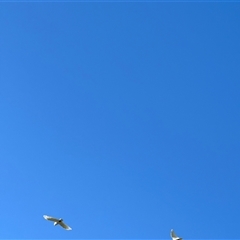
pixel 50 218
pixel 65 226
pixel 173 235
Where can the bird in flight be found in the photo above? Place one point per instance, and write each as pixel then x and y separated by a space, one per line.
pixel 57 221
pixel 174 236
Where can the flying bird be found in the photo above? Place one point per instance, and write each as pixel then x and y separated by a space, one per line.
pixel 57 221
pixel 174 236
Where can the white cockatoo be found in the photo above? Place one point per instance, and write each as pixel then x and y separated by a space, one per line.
pixel 57 221
pixel 174 236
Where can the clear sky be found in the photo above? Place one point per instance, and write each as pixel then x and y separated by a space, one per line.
pixel 120 118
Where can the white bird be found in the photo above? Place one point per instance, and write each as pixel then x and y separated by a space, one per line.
pixel 174 236
pixel 57 221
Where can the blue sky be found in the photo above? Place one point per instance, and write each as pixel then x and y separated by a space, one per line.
pixel 121 118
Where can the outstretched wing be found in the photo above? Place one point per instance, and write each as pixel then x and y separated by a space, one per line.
pixel 174 236
pixel 65 226
pixel 50 218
